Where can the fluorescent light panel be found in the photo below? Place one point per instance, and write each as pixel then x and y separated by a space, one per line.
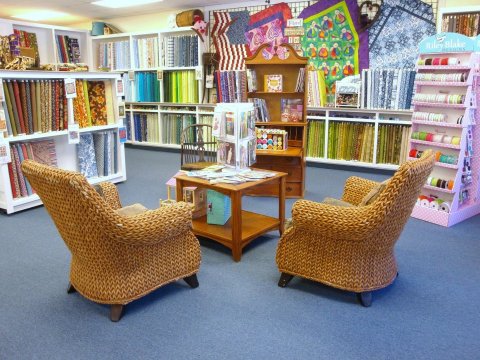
pixel 40 15
pixel 123 3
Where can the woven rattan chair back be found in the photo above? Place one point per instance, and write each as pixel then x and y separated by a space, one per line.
pixel 352 248
pixel 115 259
pixel 198 147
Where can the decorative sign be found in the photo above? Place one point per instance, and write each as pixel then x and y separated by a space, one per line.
pixel 70 89
pixel 73 134
pixel 294 22
pixel 446 42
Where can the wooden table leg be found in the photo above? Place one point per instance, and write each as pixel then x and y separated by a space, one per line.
pixel 179 190
pixel 236 198
pixel 281 204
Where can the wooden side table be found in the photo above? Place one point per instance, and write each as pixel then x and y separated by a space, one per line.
pixel 243 226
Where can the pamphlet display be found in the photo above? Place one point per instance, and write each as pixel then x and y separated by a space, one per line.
pixel 234 128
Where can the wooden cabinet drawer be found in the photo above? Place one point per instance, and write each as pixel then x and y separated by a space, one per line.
pixel 284 160
pixel 292 189
pixel 295 173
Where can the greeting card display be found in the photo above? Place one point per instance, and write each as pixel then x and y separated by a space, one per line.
pixel 234 127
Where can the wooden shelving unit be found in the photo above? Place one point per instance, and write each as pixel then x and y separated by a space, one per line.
pixel 292 160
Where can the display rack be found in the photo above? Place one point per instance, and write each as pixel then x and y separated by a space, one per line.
pixel 451 194
pixel 378 140
pixel 160 67
pixel 47 39
pixel 291 160
pixel 66 154
pixel 163 122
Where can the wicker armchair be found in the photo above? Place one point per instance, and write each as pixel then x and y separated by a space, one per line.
pixel 351 248
pixel 115 259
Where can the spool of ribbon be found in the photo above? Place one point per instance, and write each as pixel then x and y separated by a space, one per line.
pixel 445 207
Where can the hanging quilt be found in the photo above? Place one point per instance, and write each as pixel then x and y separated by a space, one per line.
pixel 394 37
pixel 228 38
pixel 267 27
pixel 333 41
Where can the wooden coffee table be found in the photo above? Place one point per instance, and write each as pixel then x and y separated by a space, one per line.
pixel 243 226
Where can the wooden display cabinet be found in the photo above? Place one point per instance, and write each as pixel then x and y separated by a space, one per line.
pixel 291 160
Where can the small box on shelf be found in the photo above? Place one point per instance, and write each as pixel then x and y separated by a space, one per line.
pixel 218 208
pixel 197 199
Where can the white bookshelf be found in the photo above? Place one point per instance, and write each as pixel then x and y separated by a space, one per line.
pixel 46 38
pixel 161 37
pixel 67 157
pixel 375 118
pixel 161 112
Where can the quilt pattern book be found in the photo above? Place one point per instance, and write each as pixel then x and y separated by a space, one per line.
pixel 394 37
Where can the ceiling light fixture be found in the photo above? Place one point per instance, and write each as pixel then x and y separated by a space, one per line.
pixel 40 15
pixel 123 3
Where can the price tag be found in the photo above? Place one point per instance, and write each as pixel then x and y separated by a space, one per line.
pixel 73 134
pixel 5 157
pixel 122 134
pixel 198 73
pixel 119 87
pixel 131 75
pixel 159 75
pixel 209 81
pixel 70 89
pixel 121 110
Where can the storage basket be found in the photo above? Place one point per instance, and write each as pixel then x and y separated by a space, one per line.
pixel 185 18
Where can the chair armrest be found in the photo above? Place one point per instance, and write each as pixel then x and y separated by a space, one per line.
pixel 334 221
pixel 153 226
pixel 356 188
pixel 110 193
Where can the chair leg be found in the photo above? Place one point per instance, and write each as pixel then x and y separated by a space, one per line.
pixel 284 279
pixel 365 298
pixel 116 312
pixel 71 289
pixel 192 281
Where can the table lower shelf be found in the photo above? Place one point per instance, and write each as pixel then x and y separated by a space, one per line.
pixel 253 225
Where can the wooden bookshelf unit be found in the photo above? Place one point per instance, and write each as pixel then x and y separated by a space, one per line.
pixel 291 160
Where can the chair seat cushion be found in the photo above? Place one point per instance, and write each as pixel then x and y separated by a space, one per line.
pixel 336 202
pixel 374 193
pixel 131 210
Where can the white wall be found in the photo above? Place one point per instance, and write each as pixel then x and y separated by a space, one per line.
pixel 139 23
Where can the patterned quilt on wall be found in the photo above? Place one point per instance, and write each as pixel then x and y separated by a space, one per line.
pixel 333 40
pixel 267 26
pixel 394 37
pixel 229 39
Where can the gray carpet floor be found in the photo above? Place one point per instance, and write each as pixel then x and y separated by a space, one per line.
pixel 239 312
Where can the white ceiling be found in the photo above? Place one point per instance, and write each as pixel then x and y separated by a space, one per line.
pixel 83 10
